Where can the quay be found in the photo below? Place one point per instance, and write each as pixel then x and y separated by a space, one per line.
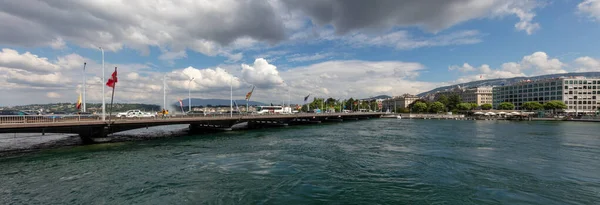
pixel 90 129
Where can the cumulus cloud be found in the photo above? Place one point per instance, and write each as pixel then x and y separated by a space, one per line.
pixel 587 64
pixel 403 41
pixel 305 58
pixel 432 15
pixel 464 68
pixel 203 79
pixel 224 27
pixel 538 63
pixel 355 78
pixel 53 95
pixel 261 73
pixel 139 24
pixel 13 59
pixel 591 8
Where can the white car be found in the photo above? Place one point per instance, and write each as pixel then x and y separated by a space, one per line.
pixel 135 114
pixel 129 112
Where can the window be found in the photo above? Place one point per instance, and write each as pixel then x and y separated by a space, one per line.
pixel 570 92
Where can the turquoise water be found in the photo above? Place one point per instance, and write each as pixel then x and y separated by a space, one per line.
pixel 382 161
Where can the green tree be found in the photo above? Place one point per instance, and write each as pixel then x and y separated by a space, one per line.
pixel 437 107
pixel 453 101
pixel 444 100
pixel 506 106
pixel 532 106
pixel 473 106
pixel 464 106
pixel 410 106
pixel 419 107
pixel 486 106
pixel 554 105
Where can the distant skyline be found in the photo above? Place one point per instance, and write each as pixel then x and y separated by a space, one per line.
pixel 326 48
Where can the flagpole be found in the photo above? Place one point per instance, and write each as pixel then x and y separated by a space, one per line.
pixel 112 97
pixel 84 109
pixel 103 93
pixel 165 92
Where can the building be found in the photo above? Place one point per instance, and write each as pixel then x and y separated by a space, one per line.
pixel 578 93
pixel 398 102
pixel 479 95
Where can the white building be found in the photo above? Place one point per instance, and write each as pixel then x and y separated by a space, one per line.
pixel 398 102
pixel 578 93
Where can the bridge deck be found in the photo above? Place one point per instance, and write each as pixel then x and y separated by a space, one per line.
pixel 17 123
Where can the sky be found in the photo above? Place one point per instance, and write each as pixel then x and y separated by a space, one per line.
pixel 325 48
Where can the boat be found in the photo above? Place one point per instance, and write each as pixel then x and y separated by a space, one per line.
pixel 398 117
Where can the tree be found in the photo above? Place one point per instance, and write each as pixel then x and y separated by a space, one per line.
pixel 444 100
pixel 464 106
pixel 554 105
pixel 506 106
pixel 419 107
pixel 453 101
pixel 473 106
pixel 532 106
pixel 410 106
pixel 486 106
pixel 437 107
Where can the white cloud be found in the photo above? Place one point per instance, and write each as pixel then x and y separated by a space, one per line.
pixel 12 59
pixel 226 27
pixel 170 55
pixel 304 58
pixel 587 64
pixel 53 95
pixel 537 63
pixel 590 8
pixel 261 73
pixel 354 78
pixel 523 9
pixel 464 68
pixel 541 64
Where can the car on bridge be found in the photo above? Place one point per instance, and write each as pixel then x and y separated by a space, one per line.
pixel 135 114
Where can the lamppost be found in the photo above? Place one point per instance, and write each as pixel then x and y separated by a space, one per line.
pixel 103 80
pixel 190 94
pixel 231 97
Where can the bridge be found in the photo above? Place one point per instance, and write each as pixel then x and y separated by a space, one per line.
pixel 90 128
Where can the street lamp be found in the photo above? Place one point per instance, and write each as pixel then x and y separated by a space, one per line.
pixel 103 80
pixel 190 94
pixel 231 96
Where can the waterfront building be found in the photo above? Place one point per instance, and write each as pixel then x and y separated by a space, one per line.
pixel 480 95
pixel 398 101
pixel 578 93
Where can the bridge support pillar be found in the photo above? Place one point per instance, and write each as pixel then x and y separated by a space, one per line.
pixel 88 135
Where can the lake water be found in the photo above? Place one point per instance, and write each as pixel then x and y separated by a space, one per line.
pixel 381 161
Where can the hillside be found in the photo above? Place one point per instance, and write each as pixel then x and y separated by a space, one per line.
pixel 508 81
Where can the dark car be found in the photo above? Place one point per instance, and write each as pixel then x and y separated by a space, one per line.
pixel 12 112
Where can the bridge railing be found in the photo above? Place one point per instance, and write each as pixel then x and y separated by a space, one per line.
pixel 12 119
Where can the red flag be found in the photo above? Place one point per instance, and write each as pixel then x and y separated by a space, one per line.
pixel 78 105
pixel 113 79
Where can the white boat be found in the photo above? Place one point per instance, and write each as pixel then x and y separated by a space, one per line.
pixel 398 116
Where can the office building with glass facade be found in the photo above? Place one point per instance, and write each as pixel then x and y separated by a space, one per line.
pixel 578 93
